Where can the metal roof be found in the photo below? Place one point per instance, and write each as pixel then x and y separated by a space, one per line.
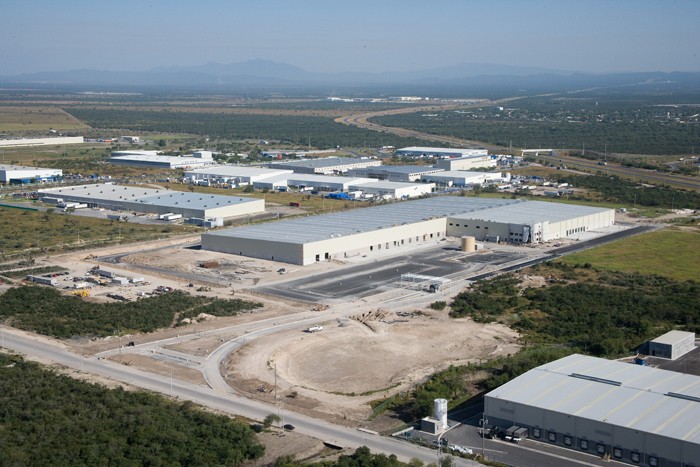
pixel 134 194
pixel 324 162
pixel 403 169
pixel 673 337
pixel 429 150
pixel 612 392
pixel 24 167
pixel 238 171
pixel 387 185
pixel 323 227
pixel 531 212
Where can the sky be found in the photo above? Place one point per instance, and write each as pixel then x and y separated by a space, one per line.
pixel 350 35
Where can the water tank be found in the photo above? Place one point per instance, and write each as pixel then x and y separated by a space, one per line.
pixel 440 413
pixel 468 244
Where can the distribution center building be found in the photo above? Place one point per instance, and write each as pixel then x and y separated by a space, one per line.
pixel 398 225
pixel 395 173
pixel 17 174
pixel 326 165
pixel 632 413
pixel 420 151
pixel 530 222
pixel 148 200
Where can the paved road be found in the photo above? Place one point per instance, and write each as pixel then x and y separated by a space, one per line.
pixel 229 403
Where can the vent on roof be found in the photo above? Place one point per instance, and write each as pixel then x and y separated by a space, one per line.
pixel 683 396
pixel 595 379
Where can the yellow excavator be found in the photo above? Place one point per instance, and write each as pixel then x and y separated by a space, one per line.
pixel 82 293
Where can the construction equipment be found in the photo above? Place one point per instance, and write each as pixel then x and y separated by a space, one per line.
pixel 82 293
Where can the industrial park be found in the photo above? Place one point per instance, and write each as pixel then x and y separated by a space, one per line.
pixel 297 275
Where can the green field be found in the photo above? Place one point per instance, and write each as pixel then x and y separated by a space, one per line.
pixel 34 232
pixel 670 252
pixel 36 118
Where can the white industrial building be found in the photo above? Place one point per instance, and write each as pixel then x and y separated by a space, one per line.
pixel 148 200
pixel 395 190
pixel 420 151
pixel 672 345
pixel 234 174
pixel 153 160
pixel 24 142
pixel 467 162
pixel 17 174
pixel 632 413
pixel 530 222
pixel 366 231
pixel 326 165
pixel 395 173
pixel 463 178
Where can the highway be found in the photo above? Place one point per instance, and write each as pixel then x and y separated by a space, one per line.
pixel 213 399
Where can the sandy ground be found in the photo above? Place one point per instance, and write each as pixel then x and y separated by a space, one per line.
pixel 338 371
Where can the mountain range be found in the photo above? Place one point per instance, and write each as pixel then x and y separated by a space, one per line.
pixel 260 74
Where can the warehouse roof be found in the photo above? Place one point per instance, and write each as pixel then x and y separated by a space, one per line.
pixel 461 174
pixel 622 394
pixel 24 167
pixel 167 198
pixel 238 171
pixel 405 169
pixel 317 228
pixel 324 162
pixel 386 185
pixel 532 212
pixel 429 150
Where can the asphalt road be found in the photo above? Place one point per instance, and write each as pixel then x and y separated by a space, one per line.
pixel 229 403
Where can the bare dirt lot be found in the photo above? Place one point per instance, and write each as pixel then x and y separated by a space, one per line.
pixel 339 370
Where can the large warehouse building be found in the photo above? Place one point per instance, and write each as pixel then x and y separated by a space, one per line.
pixel 467 163
pixel 17 174
pixel 530 222
pixel 153 160
pixel 138 199
pixel 23 142
pixel 421 151
pixel 632 413
pixel 366 231
pixel 395 173
pixel 326 165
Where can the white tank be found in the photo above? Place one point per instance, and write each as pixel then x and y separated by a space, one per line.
pixel 440 413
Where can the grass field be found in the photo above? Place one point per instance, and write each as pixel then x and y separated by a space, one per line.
pixel 33 119
pixel 670 252
pixel 36 232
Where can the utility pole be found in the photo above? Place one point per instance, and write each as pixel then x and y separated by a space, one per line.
pixel 483 422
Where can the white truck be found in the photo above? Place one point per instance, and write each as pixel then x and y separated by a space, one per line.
pixel 315 329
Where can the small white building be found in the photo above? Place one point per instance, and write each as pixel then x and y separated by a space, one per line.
pixel 396 190
pixel 17 174
pixel 672 345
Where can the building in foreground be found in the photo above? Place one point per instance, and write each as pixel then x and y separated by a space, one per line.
pixel 632 413
pixel 365 232
pixel 17 174
pixel 464 178
pixel 148 200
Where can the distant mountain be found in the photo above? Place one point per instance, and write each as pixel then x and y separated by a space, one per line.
pixel 265 74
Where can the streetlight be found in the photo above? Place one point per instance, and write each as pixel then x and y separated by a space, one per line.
pixel 483 422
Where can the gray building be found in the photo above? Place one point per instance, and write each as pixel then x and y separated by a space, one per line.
pixel 395 173
pixel 326 165
pixel 672 345
pixel 401 225
pixel 633 413
pixel 139 199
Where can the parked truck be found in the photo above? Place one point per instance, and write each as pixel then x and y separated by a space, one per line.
pixel 315 329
